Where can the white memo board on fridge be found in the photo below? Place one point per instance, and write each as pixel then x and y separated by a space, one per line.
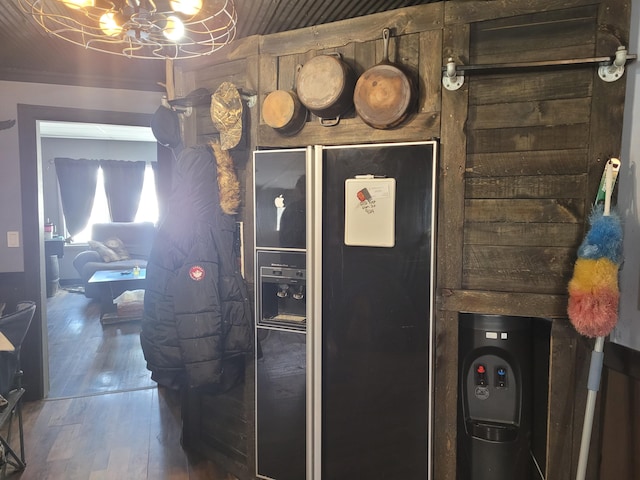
pixel 369 211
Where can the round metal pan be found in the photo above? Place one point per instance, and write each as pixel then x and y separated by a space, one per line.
pixel 384 93
pixel 283 111
pixel 325 87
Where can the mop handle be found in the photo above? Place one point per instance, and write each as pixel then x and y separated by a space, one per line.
pixel 597 355
pixel 597 359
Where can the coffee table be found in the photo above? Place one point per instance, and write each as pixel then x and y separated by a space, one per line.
pixel 111 284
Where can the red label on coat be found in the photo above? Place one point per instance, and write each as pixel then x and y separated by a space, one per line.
pixel 196 273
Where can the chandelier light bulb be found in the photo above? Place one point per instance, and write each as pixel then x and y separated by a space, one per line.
pixel 187 7
pixel 174 30
pixel 145 29
pixel 109 25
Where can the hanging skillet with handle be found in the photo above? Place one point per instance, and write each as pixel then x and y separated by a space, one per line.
pixel 283 111
pixel 384 93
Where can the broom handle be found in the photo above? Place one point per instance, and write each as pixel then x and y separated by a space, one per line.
pixel 595 370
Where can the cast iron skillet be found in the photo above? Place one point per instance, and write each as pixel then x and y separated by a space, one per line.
pixel 384 93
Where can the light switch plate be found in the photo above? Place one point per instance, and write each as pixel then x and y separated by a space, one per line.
pixel 13 239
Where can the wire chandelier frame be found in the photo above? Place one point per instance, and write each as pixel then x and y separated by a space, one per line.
pixel 143 32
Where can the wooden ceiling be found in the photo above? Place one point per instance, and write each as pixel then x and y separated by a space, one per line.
pixel 28 54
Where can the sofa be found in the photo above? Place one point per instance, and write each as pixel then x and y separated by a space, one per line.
pixel 114 246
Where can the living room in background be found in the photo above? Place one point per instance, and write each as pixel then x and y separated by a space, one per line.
pixel 92 141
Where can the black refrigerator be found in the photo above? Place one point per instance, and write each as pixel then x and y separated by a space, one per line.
pixel 369 278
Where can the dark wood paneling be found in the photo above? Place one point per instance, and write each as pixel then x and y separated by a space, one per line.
pixel 507 164
pixel 605 135
pixel 561 401
pixel 541 186
pixel 523 234
pixel 530 86
pixel 505 303
pixel 429 75
pixel 221 425
pixel 519 161
pixel 414 51
pixel 517 269
pixel 449 260
pixel 353 131
pixel 556 34
pixel 478 10
pixel 528 138
pixel 402 21
pixel 530 114
pixel 621 426
pixel 525 210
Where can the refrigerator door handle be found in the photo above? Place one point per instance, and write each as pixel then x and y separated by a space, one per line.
pixel 314 312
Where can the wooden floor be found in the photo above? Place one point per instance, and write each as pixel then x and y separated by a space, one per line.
pixel 86 357
pixel 104 418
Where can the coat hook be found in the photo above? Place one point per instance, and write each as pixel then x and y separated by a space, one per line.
pixel 452 80
pixel 186 111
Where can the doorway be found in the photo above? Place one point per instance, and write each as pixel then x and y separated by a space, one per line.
pixel 110 359
pixel 36 352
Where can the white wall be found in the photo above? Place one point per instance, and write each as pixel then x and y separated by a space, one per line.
pixel 14 93
pixel 627 331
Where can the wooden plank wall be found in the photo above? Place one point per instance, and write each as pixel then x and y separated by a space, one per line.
pixel 416 38
pixel 220 425
pixel 534 154
pixel 521 154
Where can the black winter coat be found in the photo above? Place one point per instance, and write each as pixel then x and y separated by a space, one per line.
pixel 197 315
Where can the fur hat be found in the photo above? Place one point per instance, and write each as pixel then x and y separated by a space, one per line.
pixel 226 114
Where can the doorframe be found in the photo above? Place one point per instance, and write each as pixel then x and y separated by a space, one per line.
pixel 35 352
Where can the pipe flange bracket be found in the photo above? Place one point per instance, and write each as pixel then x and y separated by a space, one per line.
pixel 452 80
pixel 614 70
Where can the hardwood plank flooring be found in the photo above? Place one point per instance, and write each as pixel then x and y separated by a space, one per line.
pixel 121 436
pixel 104 418
pixel 86 357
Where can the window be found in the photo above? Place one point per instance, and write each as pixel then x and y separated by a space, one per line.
pixel 147 209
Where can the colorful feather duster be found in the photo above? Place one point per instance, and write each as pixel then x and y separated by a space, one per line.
pixel 594 295
pixel 593 290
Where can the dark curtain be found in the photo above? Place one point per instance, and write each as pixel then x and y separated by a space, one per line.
pixel 123 185
pixel 77 179
pixel 162 175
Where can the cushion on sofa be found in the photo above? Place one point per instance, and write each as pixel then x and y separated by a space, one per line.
pixel 137 237
pixel 112 250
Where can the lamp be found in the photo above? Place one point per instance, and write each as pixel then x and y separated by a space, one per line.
pixel 148 29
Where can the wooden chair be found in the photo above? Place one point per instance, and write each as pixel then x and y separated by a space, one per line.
pixel 13 329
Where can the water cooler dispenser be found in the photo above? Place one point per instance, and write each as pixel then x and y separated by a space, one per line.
pixel 495 407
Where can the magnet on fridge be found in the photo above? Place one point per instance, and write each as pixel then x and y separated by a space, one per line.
pixel 370 211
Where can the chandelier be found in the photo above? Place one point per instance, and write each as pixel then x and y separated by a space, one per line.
pixel 149 29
